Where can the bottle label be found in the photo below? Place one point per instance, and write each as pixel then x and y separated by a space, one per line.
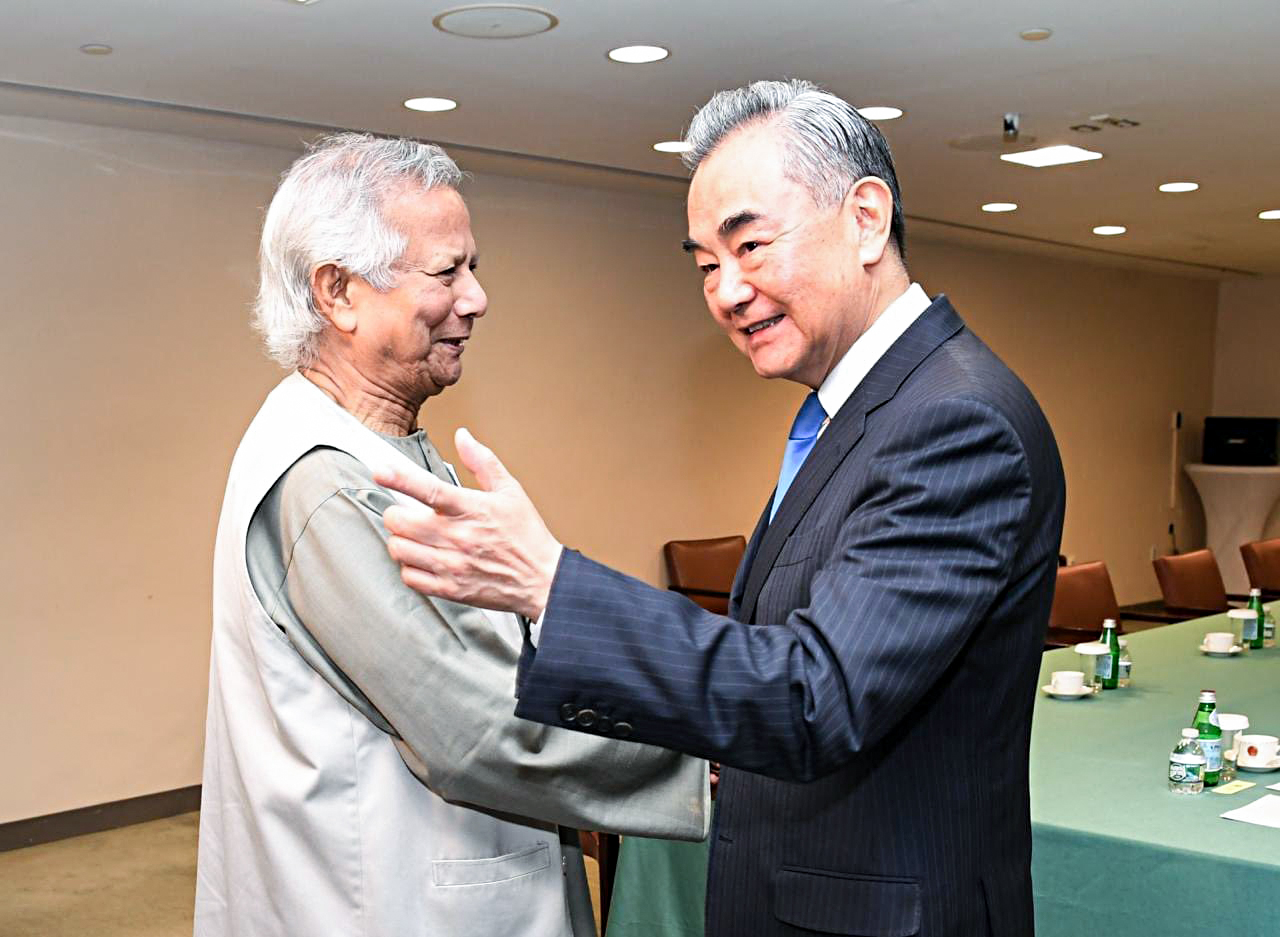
pixel 1126 669
pixel 1212 749
pixel 1104 667
pixel 1185 772
pixel 1250 630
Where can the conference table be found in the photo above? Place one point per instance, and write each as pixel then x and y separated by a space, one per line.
pixel 1114 851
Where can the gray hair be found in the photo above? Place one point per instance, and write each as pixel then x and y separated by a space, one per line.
pixel 829 145
pixel 328 209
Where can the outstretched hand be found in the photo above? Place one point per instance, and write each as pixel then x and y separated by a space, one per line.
pixel 488 547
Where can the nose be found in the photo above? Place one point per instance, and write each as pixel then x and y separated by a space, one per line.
pixel 733 292
pixel 471 301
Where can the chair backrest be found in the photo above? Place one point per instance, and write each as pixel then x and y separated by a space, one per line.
pixel 1262 563
pixel 1191 580
pixel 1083 597
pixel 707 565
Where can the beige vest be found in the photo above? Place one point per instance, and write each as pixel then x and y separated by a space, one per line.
pixel 310 823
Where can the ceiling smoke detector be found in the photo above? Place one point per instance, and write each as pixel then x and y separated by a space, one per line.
pixel 495 21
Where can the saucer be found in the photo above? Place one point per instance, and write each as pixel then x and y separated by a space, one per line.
pixel 1068 694
pixel 1260 766
pixel 1235 649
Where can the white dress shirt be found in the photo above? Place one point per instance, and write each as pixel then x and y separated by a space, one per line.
pixel 870 347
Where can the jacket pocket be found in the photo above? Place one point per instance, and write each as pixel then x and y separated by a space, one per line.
pixel 840 903
pixel 450 872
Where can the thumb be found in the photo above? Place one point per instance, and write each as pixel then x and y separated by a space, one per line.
pixel 481 462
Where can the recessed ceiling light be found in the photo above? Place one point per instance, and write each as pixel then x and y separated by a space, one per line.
pixel 880 113
pixel 431 105
pixel 638 55
pixel 1110 230
pixel 996 207
pixel 1036 33
pixel 1271 214
pixel 1179 186
pixel 1051 156
pixel 672 146
pixel 96 48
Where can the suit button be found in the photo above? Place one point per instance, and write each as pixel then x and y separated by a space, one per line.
pixel 586 718
pixel 603 725
pixel 622 729
pixel 568 712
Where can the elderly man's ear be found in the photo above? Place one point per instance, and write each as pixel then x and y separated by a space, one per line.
pixel 868 211
pixel 331 288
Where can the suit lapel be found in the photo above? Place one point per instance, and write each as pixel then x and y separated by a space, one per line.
pixel 740 577
pixel 934 326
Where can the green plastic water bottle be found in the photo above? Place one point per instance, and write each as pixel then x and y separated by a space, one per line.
pixel 1205 722
pixel 1253 630
pixel 1109 663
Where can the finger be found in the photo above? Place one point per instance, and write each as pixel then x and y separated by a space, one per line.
pixel 418 483
pixel 412 552
pixel 420 580
pixel 415 521
pixel 481 461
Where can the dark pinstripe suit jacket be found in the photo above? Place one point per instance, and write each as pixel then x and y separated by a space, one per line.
pixel 876 704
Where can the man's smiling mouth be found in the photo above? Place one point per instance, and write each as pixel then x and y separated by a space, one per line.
pixel 762 325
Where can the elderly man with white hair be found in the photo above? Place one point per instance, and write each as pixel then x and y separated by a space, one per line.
pixel 364 771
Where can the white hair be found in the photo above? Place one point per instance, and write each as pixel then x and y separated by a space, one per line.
pixel 328 209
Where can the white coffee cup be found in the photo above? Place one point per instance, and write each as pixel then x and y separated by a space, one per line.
pixel 1066 681
pixel 1257 749
pixel 1231 724
pixel 1220 642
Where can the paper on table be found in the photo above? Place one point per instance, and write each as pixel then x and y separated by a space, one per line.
pixel 1265 811
pixel 1273 787
pixel 1234 787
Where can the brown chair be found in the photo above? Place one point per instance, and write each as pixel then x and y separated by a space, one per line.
pixel 703 570
pixel 603 847
pixel 1191 581
pixel 1262 563
pixel 1082 598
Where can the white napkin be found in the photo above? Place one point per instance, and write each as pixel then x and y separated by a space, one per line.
pixel 1265 811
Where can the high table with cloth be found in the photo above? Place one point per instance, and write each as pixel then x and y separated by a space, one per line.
pixel 1114 851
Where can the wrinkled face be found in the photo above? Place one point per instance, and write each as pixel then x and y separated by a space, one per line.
pixel 780 273
pixel 410 338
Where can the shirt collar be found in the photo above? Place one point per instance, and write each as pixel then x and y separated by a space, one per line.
pixel 870 347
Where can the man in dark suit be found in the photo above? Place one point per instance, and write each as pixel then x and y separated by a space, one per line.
pixel 870 692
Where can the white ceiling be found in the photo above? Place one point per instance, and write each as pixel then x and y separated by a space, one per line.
pixel 1202 79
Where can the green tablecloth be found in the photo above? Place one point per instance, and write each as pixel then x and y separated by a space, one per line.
pixel 1114 851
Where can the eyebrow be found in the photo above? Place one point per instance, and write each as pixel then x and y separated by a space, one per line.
pixel 727 227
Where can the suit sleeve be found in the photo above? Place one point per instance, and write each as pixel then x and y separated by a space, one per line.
pixel 914 569
pixel 443 678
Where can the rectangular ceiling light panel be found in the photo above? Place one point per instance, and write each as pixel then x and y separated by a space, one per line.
pixel 1051 156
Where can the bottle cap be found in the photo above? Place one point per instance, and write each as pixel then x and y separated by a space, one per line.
pixel 1255 592
pixel 1208 696
pixel 1190 733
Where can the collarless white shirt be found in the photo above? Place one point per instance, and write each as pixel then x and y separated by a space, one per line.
pixel 870 347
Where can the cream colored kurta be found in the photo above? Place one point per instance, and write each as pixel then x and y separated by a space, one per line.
pixel 311 821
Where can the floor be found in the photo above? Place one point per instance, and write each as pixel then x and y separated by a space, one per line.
pixel 137 881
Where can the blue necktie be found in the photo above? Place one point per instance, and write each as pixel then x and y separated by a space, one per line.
pixel 804 433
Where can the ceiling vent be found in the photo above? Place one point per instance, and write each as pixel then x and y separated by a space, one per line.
pixel 495 21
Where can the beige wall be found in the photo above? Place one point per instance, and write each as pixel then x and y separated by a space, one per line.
pixel 1246 371
pixel 129 373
